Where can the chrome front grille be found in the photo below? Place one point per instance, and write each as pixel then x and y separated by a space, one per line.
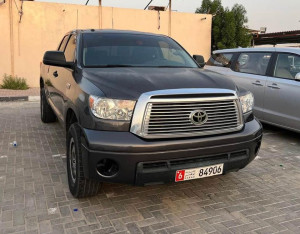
pixel 172 117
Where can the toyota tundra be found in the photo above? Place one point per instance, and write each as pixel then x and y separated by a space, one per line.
pixel 138 109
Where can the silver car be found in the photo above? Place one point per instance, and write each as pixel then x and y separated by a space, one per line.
pixel 271 74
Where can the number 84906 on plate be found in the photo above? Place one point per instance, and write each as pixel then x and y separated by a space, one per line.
pixel 197 173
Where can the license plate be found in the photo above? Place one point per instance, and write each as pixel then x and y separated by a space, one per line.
pixel 197 173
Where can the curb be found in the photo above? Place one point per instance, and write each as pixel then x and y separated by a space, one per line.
pixel 20 98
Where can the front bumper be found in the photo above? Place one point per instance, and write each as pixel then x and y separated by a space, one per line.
pixel 144 162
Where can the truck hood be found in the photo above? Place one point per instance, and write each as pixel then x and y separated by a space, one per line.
pixel 130 83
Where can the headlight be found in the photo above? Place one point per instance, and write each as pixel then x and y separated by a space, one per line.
pixel 106 108
pixel 247 102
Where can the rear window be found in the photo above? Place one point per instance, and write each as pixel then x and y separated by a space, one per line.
pixel 220 60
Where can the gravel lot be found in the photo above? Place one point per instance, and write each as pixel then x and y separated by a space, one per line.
pixel 34 195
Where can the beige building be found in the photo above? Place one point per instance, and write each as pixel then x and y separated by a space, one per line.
pixel 25 37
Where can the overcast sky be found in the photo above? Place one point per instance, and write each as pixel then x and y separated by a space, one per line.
pixel 276 15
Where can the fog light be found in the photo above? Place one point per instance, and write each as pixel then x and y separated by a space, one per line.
pixel 107 167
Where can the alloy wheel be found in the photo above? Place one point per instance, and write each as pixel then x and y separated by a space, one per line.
pixel 72 160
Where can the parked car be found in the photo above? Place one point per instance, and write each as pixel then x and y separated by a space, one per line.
pixel 271 74
pixel 138 109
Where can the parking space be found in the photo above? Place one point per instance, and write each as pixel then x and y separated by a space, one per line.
pixel 34 195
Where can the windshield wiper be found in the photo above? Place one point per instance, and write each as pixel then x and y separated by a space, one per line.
pixel 126 65
pixel 174 67
pixel 110 65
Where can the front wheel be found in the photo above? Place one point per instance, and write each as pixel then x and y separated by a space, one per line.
pixel 47 114
pixel 79 186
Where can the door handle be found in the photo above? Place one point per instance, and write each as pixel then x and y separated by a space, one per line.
pixel 55 74
pixel 273 86
pixel 257 83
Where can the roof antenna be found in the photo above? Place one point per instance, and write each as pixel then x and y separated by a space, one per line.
pixel 87 2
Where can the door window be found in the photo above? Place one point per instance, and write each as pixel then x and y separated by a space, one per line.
pixel 220 60
pixel 70 49
pixel 63 43
pixel 253 63
pixel 287 66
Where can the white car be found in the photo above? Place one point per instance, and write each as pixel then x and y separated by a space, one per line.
pixel 271 74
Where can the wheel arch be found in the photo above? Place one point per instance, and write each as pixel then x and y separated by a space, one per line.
pixel 70 118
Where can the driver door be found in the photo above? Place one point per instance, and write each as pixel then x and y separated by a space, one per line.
pixel 54 81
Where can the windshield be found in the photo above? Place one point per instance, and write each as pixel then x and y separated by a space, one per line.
pixel 133 50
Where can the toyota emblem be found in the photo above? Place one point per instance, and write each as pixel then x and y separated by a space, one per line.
pixel 198 117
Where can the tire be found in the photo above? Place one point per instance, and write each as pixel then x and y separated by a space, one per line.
pixel 79 186
pixel 47 114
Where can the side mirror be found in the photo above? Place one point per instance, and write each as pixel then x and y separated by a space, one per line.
pixel 199 59
pixel 56 58
pixel 297 77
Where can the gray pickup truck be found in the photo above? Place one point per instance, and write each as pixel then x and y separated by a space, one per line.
pixel 138 109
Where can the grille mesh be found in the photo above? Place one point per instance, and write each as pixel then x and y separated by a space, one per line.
pixel 169 118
